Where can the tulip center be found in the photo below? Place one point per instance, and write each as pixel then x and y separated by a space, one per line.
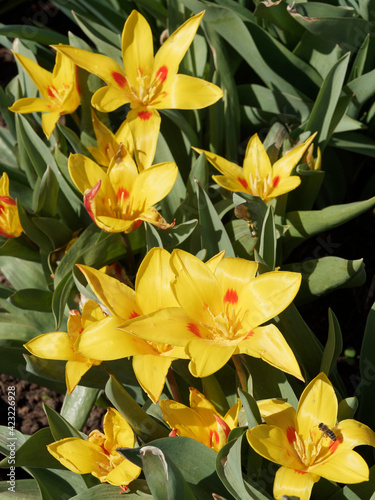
pixel 57 96
pixel 263 186
pixel 145 92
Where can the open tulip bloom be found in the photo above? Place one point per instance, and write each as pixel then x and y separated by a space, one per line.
pixel 258 176
pixel 151 360
pixel 201 421
pixel 97 455
pixel 59 91
pixel 121 198
pixel 10 225
pixel 221 307
pixel 145 81
pixel 309 443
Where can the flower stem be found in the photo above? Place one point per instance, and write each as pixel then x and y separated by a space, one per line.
pixel 173 387
pixel 129 256
pixel 241 372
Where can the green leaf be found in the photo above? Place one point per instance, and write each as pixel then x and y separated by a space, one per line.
pixel 19 248
pixel 347 408
pixel 47 196
pixel 27 489
pixel 32 231
pixel 362 491
pixel 32 299
pixel 144 425
pixel 19 439
pixel 333 347
pixel 303 198
pixel 42 35
pixel 23 274
pixel 137 490
pixel 77 406
pixel 366 411
pixel 251 409
pixel 60 428
pixel 55 484
pixel 321 276
pixel 267 245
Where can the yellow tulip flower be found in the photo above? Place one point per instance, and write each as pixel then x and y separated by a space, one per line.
pixel 121 198
pixel 59 91
pixel 309 443
pixel 258 176
pixel 145 81
pixel 97 455
pixel 151 360
pixel 108 142
pixel 10 225
pixel 222 305
pixel 201 421
pixel 61 345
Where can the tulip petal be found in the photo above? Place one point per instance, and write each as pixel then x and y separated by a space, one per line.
pixel 270 345
pixel 30 105
pixel 267 295
pixel 74 371
pixel 154 273
pixel 207 357
pixel 137 48
pixel 189 92
pixel 106 342
pixel 116 296
pixel 55 345
pixel 318 403
pixel 345 466
pixel 293 483
pixel 286 163
pixel 91 314
pixel 355 433
pixel 284 186
pixel 277 412
pixel 151 371
pixel 227 168
pixel 117 431
pixel 78 455
pixel 256 161
pixel 144 123
pixel 234 273
pixel 196 288
pixel 271 443
pixel 235 185
pixel 153 184
pixel 108 98
pixel 85 174
pixel 123 474
pixel 49 121
pixel 40 76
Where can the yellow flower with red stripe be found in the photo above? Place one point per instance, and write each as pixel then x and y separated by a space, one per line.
pixel 146 81
pixel 201 421
pixel 10 225
pixel 309 443
pixel 258 176
pixel 59 91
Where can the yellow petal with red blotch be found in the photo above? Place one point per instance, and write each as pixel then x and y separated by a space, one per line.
pixel 318 403
pixel 55 345
pixel 188 92
pixel 151 371
pixel 74 371
pixel 234 185
pixel 198 400
pixel 91 313
pixel 40 76
pixel 186 420
pixel 286 163
pixel 144 123
pixel 293 483
pixel 270 345
pixel 137 48
pixel 108 98
pixel 256 161
pixel 196 288
pixel 85 174
pixel 153 184
pixel 116 296
pixel 103 66
pixel 30 105
pixel 271 443
pixel 354 433
pixel 277 412
pixel 167 326
pixel 345 466
pixel 227 168
pixel 117 431
pixel 49 121
pixel 233 274
pixel 123 474
pixel 267 295
pixel 175 47
pixel 154 273
pixel 105 342
pixel 78 455
pixel 207 357
pixel 284 186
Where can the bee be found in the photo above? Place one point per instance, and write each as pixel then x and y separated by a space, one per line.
pixel 327 431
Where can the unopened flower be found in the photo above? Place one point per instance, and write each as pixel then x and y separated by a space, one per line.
pixel 10 225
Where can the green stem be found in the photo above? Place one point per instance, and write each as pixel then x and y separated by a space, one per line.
pixel 241 372
pixel 129 256
pixel 173 386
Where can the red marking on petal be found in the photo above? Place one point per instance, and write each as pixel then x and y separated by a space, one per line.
pixel 224 426
pixel 162 74
pixel 133 314
pixel 51 91
pixel 275 181
pixel 7 200
pixel 250 334
pixel 122 193
pixel 193 328
pixel 231 296
pixel 299 471
pixel 80 331
pixel 124 489
pixel 333 445
pixel 214 436
pixel 89 196
pixel 119 79
pixel 74 312
pixel 243 182
pixel 173 433
pixel 291 434
pixel 136 224
pixel 145 115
